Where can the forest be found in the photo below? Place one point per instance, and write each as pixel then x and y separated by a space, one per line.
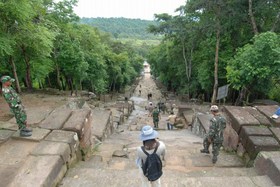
pixel 216 43
pixel 43 45
pixel 123 27
pixel 209 44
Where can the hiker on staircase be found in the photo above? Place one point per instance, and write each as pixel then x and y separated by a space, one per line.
pixel 215 134
pixel 156 116
pixel 151 145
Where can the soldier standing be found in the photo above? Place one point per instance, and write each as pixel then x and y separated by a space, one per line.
pixel 215 134
pixel 156 117
pixel 15 105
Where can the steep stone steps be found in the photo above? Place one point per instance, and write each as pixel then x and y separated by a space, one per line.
pixel 112 163
pixel 184 166
pixel 88 177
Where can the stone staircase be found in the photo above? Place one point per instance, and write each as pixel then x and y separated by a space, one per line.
pixel 113 163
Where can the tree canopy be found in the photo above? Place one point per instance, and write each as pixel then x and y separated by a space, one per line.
pixel 214 43
pixel 42 44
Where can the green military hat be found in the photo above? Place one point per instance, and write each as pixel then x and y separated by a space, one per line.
pixel 6 79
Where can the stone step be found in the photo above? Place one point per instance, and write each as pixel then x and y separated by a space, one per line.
pixel 99 177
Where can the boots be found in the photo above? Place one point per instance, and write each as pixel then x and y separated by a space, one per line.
pixel 25 132
pixel 214 159
pixel 26 129
pixel 204 151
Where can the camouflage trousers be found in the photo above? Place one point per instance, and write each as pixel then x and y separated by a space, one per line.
pixel 155 121
pixel 20 116
pixel 216 145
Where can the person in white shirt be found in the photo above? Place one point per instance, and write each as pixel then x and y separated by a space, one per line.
pixel 150 141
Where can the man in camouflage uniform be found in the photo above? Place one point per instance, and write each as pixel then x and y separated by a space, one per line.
pixel 156 117
pixel 15 104
pixel 215 134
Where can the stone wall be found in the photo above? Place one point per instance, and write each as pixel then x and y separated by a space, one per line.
pixel 249 130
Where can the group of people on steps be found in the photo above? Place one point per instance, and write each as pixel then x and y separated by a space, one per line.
pixel 152 145
pixel 151 155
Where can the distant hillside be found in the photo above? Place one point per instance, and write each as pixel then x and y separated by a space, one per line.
pixel 123 27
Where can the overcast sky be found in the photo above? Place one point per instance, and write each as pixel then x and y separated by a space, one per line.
pixel 143 9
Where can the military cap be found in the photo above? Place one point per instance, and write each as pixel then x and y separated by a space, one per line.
pixel 6 79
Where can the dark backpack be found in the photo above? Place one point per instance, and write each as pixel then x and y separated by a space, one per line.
pixel 152 168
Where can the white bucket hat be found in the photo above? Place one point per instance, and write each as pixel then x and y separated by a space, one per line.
pixel 148 133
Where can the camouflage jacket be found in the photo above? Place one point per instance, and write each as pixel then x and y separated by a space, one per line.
pixel 216 129
pixel 11 97
pixel 155 114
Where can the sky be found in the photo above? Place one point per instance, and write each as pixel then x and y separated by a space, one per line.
pixel 142 9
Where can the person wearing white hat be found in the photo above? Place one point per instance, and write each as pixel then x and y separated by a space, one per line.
pixel 149 137
pixel 215 134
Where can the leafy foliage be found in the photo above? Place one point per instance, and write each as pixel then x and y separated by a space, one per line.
pixel 192 47
pixel 44 46
pixel 256 65
pixel 122 27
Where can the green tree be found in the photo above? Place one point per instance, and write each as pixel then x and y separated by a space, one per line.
pixel 256 65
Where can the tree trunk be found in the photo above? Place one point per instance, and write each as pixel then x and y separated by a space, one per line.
pixel 58 77
pixel 241 96
pixel 11 61
pixel 188 66
pixel 49 81
pixel 214 96
pixel 28 69
pixel 253 21
pixel 70 83
pixel 28 76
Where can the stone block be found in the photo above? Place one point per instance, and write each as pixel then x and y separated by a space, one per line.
pixel 183 108
pixel 77 121
pixel 35 114
pixel 5 134
pixel 255 144
pixel 197 126
pixel 268 163
pixel 85 141
pixel 231 138
pixel 8 126
pixel 53 148
pixel 56 119
pixel 239 117
pixel 274 171
pixel 204 121
pixel 101 123
pixel 259 116
pixel 13 152
pixel 37 135
pixel 276 133
pixel 40 171
pixel 71 138
pixel 188 116
pixel 247 131
pixel 268 111
pixel 7 174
